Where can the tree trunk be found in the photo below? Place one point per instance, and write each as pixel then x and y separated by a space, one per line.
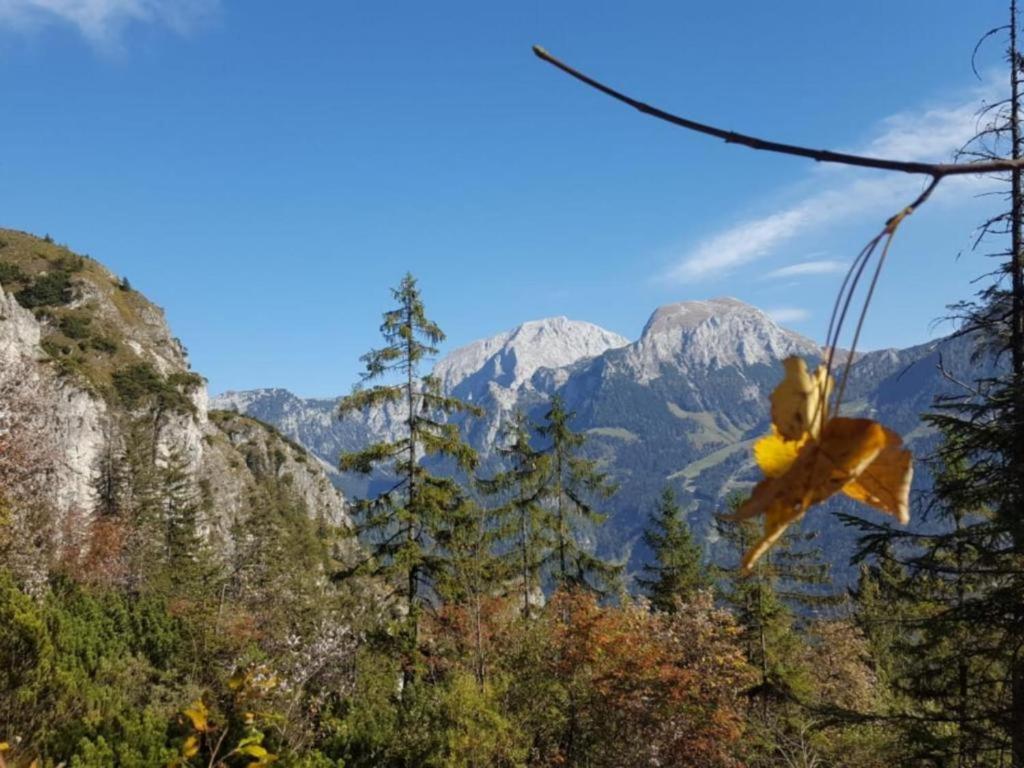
pixel 413 576
pixel 1016 724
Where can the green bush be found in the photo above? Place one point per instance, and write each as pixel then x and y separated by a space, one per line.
pixel 11 274
pixel 141 384
pixel 54 348
pixel 75 326
pixel 137 382
pixel 48 290
pixel 103 344
pixel 88 675
pixel 70 263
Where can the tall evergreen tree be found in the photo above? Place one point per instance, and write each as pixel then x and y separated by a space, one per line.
pixel 576 482
pixel 969 574
pixel 676 572
pixel 403 521
pixel 763 609
pixel 472 573
pixel 110 483
pixel 187 565
pixel 919 604
pixel 525 519
pixel 987 417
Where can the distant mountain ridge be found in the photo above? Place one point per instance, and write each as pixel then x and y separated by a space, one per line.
pixel 679 406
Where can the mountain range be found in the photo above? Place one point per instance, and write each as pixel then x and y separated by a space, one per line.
pixel 679 406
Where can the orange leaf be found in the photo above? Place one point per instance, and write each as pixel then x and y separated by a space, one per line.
pixel 885 484
pixel 800 401
pixel 821 469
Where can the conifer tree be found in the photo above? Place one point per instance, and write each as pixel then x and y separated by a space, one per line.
pixel 403 521
pixel 966 578
pixel 575 482
pixel 768 622
pixel 675 574
pixel 141 494
pixel 188 565
pixel 920 604
pixel 110 483
pixel 987 414
pixel 527 522
pixel 472 574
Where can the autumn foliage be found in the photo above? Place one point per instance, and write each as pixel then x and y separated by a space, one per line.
pixel 647 688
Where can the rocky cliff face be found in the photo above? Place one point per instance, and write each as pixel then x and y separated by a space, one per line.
pixel 97 357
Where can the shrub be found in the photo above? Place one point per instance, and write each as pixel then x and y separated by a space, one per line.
pixel 139 383
pixel 75 326
pixel 70 263
pixel 11 274
pixel 47 290
pixel 103 344
pixel 54 348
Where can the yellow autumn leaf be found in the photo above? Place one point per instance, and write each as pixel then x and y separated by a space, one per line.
pixel 800 401
pixel 253 750
pixel 775 454
pixel 885 484
pixel 198 714
pixel 190 748
pixel 820 470
pixel 808 457
pixel 4 746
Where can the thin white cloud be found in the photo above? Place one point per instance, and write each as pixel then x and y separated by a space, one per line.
pixel 788 314
pixel 842 194
pixel 804 268
pixel 102 21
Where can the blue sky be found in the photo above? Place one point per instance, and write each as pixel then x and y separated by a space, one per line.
pixel 265 171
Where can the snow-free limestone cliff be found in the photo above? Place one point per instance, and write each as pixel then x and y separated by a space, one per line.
pixel 95 356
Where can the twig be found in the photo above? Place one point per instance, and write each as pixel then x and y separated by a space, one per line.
pixel 954 380
pixel 935 170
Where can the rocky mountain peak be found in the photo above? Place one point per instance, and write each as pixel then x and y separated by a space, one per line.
pixel 687 315
pixel 715 333
pixel 510 359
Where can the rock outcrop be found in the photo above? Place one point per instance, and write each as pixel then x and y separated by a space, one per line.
pixel 98 357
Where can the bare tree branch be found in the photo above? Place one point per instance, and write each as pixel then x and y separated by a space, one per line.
pixel 935 170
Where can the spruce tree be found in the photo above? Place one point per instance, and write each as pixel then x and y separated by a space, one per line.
pixel 676 573
pixel 987 415
pixel 575 483
pixel 472 573
pixel 968 574
pixel 768 622
pixel 921 603
pixel 524 518
pixel 402 523
pixel 187 565
pixel 110 483
pixel 141 494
